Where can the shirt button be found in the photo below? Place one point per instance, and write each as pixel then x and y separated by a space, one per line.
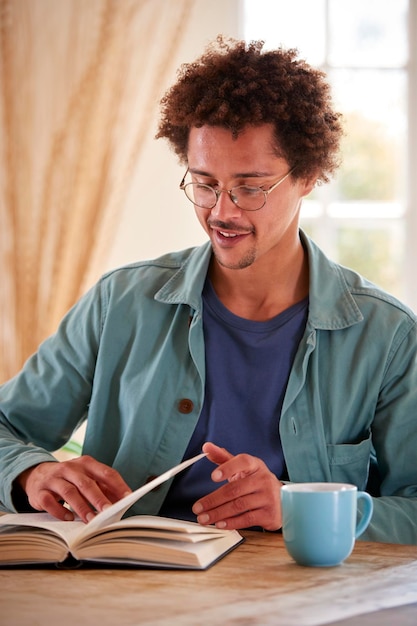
pixel 185 405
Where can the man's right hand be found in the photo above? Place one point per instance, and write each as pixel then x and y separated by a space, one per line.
pixel 84 484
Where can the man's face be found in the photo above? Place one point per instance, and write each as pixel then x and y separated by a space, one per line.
pixel 241 238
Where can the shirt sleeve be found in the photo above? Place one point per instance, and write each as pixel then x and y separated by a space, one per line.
pixel 394 437
pixel 42 406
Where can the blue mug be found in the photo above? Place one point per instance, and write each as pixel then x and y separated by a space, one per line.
pixel 319 521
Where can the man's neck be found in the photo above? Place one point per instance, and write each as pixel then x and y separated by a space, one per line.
pixel 258 293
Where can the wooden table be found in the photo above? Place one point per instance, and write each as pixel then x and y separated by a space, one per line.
pixel 258 583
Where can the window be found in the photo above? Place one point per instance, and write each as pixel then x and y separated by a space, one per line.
pixel 361 219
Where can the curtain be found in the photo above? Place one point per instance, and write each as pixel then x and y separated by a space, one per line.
pixel 79 84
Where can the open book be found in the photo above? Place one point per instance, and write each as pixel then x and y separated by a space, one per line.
pixel 139 540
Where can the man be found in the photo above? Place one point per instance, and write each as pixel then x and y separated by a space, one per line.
pixel 277 362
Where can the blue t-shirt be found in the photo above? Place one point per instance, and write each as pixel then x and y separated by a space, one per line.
pixel 247 368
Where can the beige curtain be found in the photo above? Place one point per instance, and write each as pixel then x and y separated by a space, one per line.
pixel 79 85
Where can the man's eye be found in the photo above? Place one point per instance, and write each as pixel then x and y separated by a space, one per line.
pixel 201 184
pixel 203 187
pixel 250 191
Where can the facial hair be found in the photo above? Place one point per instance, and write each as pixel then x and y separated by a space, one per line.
pixel 248 259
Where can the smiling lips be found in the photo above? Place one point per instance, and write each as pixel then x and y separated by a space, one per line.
pixel 227 235
pixel 228 231
pixel 230 237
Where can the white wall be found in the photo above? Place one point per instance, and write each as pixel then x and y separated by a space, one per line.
pixel 157 217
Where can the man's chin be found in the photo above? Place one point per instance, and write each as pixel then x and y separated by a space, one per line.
pixel 239 264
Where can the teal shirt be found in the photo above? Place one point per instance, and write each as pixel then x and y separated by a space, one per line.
pixel 129 356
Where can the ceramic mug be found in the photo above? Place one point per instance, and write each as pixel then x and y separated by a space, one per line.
pixel 319 521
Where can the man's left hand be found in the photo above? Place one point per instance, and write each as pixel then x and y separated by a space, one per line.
pixel 251 496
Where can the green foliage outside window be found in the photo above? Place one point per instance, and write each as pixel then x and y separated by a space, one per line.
pixel 371 162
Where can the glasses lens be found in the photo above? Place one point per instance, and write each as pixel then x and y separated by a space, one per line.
pixel 201 195
pixel 245 197
pixel 248 198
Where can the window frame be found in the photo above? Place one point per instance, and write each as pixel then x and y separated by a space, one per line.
pixel 324 224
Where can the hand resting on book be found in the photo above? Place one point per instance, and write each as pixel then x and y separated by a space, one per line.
pixel 85 484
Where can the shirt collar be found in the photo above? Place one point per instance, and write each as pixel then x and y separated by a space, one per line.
pixel 331 303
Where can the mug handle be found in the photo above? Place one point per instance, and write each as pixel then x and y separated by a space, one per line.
pixel 366 513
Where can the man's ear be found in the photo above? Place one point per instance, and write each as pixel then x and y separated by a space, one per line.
pixel 308 185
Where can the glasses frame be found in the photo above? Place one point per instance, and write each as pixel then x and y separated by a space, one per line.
pixel 218 192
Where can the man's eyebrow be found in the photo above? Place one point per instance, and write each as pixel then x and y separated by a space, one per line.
pixel 253 174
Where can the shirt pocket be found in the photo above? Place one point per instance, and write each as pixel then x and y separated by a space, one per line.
pixel 349 463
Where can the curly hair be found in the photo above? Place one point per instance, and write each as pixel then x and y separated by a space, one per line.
pixel 235 84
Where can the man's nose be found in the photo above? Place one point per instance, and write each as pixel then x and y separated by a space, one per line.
pixel 225 206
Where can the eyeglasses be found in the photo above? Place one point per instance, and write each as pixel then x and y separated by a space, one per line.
pixel 245 197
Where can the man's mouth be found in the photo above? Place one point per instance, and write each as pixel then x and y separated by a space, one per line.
pixel 227 235
pixel 228 231
pixel 228 238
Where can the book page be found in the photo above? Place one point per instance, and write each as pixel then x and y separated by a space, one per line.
pixel 158 552
pixel 136 527
pixel 168 524
pixel 115 512
pixel 154 526
pixel 66 530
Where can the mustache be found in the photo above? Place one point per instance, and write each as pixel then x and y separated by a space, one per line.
pixel 226 226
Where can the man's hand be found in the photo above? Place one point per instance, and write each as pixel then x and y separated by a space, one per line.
pixel 251 496
pixel 86 485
